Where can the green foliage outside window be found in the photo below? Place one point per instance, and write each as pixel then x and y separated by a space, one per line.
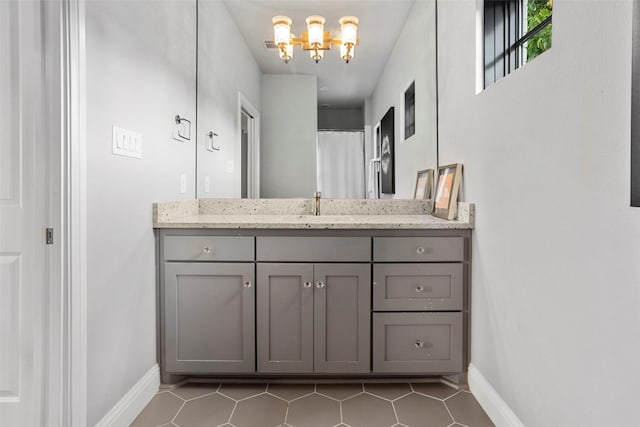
pixel 538 11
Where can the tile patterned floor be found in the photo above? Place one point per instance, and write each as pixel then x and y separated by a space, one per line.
pixel 309 405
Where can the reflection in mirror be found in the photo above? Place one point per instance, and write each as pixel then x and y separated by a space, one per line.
pixel 286 130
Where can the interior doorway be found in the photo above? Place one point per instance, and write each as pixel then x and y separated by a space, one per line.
pixel 248 150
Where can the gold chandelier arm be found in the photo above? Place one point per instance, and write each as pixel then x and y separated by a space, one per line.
pixel 338 42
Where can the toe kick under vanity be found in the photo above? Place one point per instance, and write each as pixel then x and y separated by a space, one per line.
pixel 263 289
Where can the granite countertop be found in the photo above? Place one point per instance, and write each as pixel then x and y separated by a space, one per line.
pixel 298 214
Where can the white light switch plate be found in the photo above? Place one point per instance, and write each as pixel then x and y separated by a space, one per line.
pixel 230 166
pixel 126 143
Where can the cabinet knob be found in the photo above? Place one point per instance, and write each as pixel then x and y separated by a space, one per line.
pixel 419 344
pixel 247 284
pixel 420 250
pixel 419 288
pixel 320 285
pixel 207 250
pixel 307 285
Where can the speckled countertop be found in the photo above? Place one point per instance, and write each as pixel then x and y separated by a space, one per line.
pixel 298 214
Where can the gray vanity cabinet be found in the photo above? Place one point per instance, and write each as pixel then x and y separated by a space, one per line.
pixel 304 303
pixel 209 317
pixel 313 318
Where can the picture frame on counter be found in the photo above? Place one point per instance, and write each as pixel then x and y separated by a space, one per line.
pixel 445 201
pixel 424 185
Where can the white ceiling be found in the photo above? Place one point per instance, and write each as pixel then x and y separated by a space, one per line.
pixel 339 84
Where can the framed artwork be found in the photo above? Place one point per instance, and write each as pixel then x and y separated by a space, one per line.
pixel 445 202
pixel 424 185
pixel 410 111
pixel 376 155
pixel 387 153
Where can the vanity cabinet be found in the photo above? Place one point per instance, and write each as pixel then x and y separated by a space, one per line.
pixel 296 303
pixel 313 318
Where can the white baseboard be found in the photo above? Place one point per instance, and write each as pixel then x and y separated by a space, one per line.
pixel 495 407
pixel 132 403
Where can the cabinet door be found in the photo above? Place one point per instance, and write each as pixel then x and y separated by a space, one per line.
pixel 285 318
pixel 342 310
pixel 209 318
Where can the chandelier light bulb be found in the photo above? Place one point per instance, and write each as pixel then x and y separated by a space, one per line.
pixel 349 30
pixel 281 30
pixel 315 29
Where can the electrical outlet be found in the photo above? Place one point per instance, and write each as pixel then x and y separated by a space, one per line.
pixel 126 143
pixel 183 183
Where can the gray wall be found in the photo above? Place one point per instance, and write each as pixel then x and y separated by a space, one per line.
pixel 341 118
pixel 556 250
pixel 226 67
pixel 140 73
pixel 413 58
pixel 288 139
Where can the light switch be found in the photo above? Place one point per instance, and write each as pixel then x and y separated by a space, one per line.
pixel 207 184
pixel 126 143
pixel 230 166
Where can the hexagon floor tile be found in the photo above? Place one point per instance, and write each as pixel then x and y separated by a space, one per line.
pixel 388 391
pixel 298 405
pixel 211 410
pixel 466 410
pixel 290 392
pixel 437 390
pixel 366 410
pixel 339 391
pixel 193 390
pixel 242 391
pixel 313 411
pixel 259 411
pixel 418 410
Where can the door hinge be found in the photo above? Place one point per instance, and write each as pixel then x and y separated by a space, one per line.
pixel 49 236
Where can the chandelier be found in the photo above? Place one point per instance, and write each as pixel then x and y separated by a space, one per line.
pixel 315 40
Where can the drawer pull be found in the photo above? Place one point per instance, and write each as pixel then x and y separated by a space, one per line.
pixel 420 250
pixel 247 284
pixel 307 285
pixel 207 250
pixel 320 285
pixel 419 288
pixel 419 344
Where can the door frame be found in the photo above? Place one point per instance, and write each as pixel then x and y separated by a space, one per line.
pixel 253 147
pixel 65 120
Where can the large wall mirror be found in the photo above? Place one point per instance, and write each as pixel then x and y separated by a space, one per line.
pixel 270 129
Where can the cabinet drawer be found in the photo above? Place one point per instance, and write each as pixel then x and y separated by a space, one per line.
pixel 417 342
pixel 417 287
pixel 208 248
pixel 418 249
pixel 313 249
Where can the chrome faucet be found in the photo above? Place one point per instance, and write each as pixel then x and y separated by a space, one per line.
pixel 316 196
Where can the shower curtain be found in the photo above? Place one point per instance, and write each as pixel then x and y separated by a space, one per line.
pixel 340 168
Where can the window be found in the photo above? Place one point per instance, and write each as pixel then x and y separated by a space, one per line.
pixel 515 32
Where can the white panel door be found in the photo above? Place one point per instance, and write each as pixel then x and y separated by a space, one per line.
pixel 22 214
